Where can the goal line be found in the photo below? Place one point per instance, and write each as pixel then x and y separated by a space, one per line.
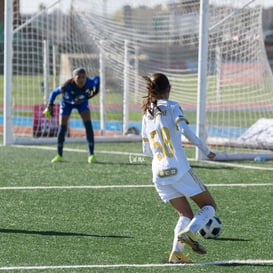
pixel 216 263
pixel 119 186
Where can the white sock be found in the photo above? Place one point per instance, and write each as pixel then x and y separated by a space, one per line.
pixel 201 218
pixel 181 224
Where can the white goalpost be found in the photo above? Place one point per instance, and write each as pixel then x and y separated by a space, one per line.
pixel 204 32
pixel 243 83
pixel 202 74
pixel 212 51
pixel 7 111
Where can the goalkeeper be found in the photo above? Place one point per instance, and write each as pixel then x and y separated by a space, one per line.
pixel 75 95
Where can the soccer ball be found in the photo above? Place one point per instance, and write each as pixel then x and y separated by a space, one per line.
pixel 212 229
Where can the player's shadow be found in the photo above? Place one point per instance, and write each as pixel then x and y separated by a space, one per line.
pixel 244 263
pixel 231 239
pixel 212 167
pixel 60 233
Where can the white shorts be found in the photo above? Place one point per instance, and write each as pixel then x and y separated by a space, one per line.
pixel 189 185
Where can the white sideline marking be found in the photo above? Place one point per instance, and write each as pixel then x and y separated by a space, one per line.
pixel 232 262
pixel 79 150
pixel 140 154
pixel 239 166
pixel 119 186
pixel 75 187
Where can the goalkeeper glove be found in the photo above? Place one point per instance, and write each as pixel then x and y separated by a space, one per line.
pixel 96 88
pixel 90 93
pixel 48 112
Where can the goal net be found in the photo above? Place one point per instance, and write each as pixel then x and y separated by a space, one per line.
pixel 121 43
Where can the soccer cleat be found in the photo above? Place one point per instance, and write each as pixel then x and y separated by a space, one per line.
pixel 57 158
pixel 188 238
pixel 179 258
pixel 91 159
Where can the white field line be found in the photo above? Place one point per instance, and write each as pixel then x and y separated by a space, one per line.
pixel 227 263
pixel 119 186
pixel 78 150
pixel 231 262
pixel 239 165
pixel 142 155
pixel 75 187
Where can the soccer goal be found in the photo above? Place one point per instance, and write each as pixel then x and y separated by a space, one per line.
pixel 220 75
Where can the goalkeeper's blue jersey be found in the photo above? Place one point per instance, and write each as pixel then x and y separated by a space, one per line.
pixel 73 94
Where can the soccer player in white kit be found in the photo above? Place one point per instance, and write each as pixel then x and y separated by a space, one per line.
pixel 162 127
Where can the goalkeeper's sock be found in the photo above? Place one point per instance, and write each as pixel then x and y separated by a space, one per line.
pixel 60 148
pixel 89 136
pixel 182 223
pixel 201 218
pixel 61 137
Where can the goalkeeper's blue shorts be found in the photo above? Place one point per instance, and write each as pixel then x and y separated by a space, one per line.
pixel 66 108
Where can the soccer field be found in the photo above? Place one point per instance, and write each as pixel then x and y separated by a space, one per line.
pixel 107 217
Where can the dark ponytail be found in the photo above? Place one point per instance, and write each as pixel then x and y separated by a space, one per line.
pixel 157 86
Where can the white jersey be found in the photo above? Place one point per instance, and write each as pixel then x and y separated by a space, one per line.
pixel 161 139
